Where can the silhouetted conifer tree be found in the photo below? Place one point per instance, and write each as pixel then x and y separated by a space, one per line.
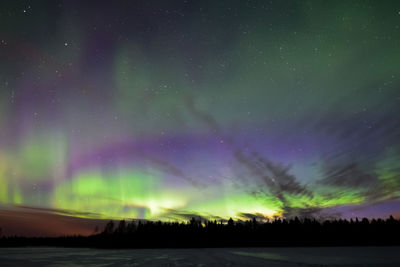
pixel 109 228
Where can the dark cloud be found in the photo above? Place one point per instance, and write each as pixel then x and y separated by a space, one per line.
pixel 363 134
pixel 58 211
pixel 365 181
pixel 349 176
pixel 188 215
pixel 276 180
pixel 257 216
pixel 275 176
pixel 202 116
pixel 320 213
pixel 168 167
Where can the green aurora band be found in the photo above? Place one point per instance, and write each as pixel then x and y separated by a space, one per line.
pixel 164 110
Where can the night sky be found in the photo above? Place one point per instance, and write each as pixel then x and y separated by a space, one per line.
pixel 214 109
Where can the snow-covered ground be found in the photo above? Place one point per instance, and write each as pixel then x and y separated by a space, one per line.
pixel 328 256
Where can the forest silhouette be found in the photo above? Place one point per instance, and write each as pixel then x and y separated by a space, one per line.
pixel 250 233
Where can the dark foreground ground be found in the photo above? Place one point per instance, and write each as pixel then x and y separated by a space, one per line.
pixel 308 256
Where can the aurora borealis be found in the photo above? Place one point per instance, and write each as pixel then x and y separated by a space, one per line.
pixel 173 109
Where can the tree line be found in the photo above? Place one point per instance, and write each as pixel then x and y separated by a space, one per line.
pixel 250 233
